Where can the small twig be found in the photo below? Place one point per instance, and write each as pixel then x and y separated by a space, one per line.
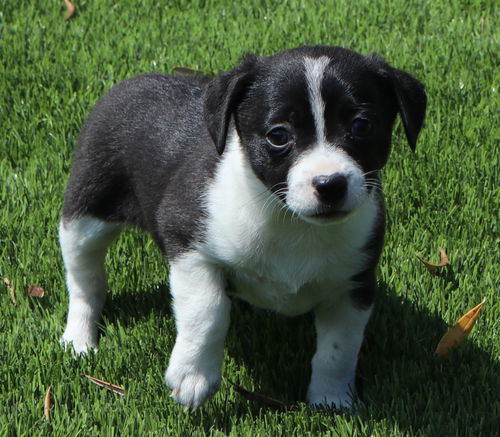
pixel 107 385
pixel 263 400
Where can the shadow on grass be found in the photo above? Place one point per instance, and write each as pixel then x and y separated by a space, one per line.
pixel 131 306
pixel 400 379
pixel 424 394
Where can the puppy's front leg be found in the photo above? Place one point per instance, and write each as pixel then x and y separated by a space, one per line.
pixel 339 329
pixel 201 310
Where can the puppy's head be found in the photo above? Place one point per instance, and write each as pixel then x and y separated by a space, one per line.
pixel 315 123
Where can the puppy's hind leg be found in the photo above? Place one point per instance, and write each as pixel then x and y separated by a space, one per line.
pixel 84 242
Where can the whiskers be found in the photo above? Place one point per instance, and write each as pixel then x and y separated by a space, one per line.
pixel 284 212
pixel 372 183
pixel 273 202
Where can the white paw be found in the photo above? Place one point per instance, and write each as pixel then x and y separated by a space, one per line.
pixel 192 383
pixel 79 344
pixel 340 399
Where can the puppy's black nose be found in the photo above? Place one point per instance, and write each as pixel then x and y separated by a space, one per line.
pixel 330 189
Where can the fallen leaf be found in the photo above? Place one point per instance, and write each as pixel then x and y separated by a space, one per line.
pixel 263 400
pixel 6 281
pixel 47 403
pixel 107 385
pixel 443 261
pixel 34 291
pixel 457 333
pixel 71 9
pixel 187 71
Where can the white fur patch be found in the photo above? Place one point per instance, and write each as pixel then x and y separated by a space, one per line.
pixel 315 70
pixel 83 243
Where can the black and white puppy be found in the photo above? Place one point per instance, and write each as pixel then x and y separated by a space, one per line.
pixel 260 183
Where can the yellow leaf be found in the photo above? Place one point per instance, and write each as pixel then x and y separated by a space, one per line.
pixel 7 283
pixel 457 333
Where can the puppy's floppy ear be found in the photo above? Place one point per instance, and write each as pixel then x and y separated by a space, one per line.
pixel 410 97
pixel 222 96
pixel 412 102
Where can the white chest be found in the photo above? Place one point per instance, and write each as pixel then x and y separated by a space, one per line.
pixel 291 272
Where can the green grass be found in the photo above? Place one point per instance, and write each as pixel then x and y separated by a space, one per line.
pixel 445 195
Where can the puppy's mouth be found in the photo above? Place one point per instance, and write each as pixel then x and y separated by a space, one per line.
pixel 330 214
pixel 326 214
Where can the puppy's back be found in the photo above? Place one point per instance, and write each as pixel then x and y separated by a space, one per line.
pixel 137 138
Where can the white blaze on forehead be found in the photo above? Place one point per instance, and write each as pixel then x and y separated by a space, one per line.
pixel 315 70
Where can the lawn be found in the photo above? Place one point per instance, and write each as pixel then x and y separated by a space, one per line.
pixel 445 195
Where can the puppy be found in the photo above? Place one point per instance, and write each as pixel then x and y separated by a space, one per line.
pixel 262 183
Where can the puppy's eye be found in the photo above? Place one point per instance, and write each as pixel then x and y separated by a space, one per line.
pixel 361 128
pixel 278 137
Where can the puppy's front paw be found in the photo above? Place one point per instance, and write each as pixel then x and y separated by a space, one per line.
pixel 193 373
pixel 192 382
pixel 341 398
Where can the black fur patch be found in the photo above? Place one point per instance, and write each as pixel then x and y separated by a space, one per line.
pixel 364 295
pixel 145 157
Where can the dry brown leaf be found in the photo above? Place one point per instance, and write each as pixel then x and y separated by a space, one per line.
pixel 6 281
pixel 107 385
pixel 263 400
pixel 71 9
pixel 35 291
pixel 47 404
pixel 187 71
pixel 457 333
pixel 443 261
